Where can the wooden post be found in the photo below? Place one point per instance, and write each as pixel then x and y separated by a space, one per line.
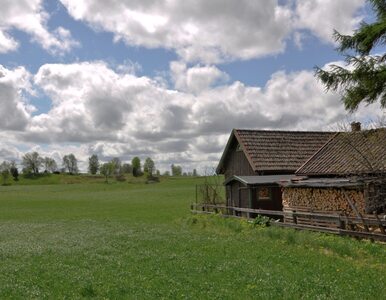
pixel 354 208
pixel 341 223
pixel 196 194
pixel 250 201
pixel 381 227
pixel 239 200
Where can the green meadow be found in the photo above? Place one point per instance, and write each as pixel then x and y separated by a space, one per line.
pixel 71 237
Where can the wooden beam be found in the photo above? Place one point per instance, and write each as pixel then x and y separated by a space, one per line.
pixel 354 208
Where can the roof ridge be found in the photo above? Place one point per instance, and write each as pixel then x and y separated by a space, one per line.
pixel 289 131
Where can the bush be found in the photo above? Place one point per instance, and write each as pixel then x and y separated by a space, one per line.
pixel 15 173
pixel 261 221
pixel 152 179
pixel 120 177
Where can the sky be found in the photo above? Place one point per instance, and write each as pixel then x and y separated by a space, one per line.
pixel 165 79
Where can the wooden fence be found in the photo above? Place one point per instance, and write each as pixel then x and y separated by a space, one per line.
pixel 367 226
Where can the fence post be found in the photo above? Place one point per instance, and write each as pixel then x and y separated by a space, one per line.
pixel 341 223
pixel 196 194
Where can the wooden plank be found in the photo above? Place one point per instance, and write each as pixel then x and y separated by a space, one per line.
pixel 337 231
pixel 367 235
pixel 260 211
pixel 369 220
pixel 381 227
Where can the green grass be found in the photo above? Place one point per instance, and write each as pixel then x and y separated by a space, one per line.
pixel 139 241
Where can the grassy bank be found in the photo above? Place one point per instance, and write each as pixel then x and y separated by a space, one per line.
pixel 136 240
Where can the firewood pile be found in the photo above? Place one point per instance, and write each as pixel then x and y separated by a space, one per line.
pixel 324 199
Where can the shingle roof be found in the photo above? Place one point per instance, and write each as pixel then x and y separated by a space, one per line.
pixel 362 152
pixel 277 150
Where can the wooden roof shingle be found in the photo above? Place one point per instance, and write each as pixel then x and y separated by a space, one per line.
pixel 270 150
pixel 349 153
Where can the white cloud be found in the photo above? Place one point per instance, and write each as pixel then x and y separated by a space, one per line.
pixel 321 17
pixel 30 17
pixel 90 101
pixel 7 43
pixel 116 114
pixel 202 31
pixel 15 110
pixel 195 79
pixel 198 30
pixel 10 153
pixel 218 30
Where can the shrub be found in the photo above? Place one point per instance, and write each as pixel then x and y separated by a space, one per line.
pixel 152 179
pixel 262 221
pixel 120 177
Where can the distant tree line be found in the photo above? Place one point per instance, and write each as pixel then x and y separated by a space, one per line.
pixel 116 167
pixel 33 164
pixel 119 169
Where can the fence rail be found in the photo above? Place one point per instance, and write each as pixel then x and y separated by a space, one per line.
pixel 368 226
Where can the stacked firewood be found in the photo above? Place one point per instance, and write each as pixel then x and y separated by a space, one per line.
pixel 324 199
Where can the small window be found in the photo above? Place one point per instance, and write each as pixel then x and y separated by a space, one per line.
pixel 238 148
pixel 263 194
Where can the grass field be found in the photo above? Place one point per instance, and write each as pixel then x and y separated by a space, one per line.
pixel 139 241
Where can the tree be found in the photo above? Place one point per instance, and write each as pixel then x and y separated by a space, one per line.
pixel 136 165
pixel 14 171
pixel 32 162
pixel 117 165
pixel 107 169
pixel 49 164
pixel 126 168
pixel 176 170
pixel 149 166
pixel 70 163
pixel 5 171
pixel 93 164
pixel 363 80
pixel 194 173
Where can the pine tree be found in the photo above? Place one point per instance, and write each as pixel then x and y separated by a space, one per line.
pixel 363 80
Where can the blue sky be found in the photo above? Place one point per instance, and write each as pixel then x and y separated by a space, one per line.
pixel 165 79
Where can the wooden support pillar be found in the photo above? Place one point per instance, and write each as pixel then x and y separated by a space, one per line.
pixel 354 208
pixel 249 200
pixel 381 227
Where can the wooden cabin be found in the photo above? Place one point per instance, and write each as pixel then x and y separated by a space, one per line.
pixel 255 161
pixel 346 176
